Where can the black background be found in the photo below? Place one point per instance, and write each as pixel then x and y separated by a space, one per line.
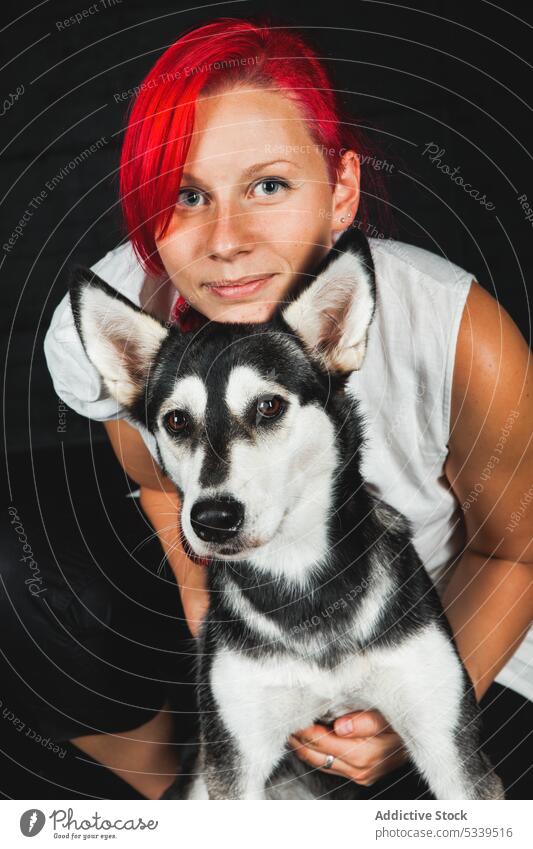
pixel 456 74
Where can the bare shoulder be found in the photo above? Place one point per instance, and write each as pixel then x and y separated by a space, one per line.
pixel 490 349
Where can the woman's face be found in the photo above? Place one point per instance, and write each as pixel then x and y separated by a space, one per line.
pixel 254 203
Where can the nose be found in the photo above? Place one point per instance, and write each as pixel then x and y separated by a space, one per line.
pixel 228 235
pixel 217 519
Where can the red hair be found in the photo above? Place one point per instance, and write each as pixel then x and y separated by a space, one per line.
pixel 210 58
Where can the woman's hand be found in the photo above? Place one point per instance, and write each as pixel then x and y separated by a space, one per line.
pixel 364 745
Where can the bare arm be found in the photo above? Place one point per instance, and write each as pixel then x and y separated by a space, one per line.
pixel 489 598
pixel 161 505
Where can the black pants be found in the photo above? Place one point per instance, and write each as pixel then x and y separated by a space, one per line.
pixel 93 637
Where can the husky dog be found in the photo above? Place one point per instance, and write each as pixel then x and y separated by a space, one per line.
pixel 254 425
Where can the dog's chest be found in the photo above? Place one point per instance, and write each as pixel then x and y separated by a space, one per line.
pixel 285 694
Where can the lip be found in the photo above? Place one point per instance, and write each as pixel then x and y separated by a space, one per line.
pixel 238 289
pixel 190 552
pixel 222 554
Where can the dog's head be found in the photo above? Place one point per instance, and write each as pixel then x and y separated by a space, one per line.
pixel 245 416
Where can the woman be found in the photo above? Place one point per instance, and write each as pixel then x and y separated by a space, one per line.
pixel 237 175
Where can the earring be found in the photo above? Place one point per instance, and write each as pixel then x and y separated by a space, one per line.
pixel 342 220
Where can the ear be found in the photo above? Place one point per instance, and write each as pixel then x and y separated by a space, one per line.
pixel 333 312
pixel 119 338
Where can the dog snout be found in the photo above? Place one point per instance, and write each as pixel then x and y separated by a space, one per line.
pixel 217 519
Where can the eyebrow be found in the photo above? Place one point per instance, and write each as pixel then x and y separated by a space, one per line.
pixel 248 172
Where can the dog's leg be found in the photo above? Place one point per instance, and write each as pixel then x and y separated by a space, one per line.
pixel 423 691
pixel 198 790
pixel 245 726
pixel 238 753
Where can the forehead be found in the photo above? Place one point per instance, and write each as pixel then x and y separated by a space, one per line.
pixel 242 385
pixel 231 368
pixel 260 125
pixel 190 393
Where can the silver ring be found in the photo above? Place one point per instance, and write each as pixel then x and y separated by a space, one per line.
pixel 328 763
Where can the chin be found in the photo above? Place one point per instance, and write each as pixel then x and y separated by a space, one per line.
pixel 238 554
pixel 244 314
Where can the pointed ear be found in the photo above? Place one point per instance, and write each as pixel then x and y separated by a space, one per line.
pixel 119 338
pixel 333 312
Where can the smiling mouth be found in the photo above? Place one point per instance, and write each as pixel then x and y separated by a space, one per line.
pixel 238 288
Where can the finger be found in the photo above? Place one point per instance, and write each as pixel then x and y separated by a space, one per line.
pixel 365 774
pixel 360 753
pixel 361 723
pixel 316 760
pixel 323 739
pixel 355 752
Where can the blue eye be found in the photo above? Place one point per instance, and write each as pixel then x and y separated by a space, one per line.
pixel 190 198
pixel 274 183
pixel 190 193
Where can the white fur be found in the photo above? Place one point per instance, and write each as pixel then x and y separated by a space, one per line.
pixel 374 600
pixel 244 611
pixel 285 481
pixel 189 394
pixel 416 686
pixel 198 791
pixel 345 281
pixel 111 329
pixel 244 384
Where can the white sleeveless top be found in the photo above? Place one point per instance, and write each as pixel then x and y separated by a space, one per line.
pixel 404 389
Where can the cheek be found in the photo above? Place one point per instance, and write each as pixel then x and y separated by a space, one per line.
pixel 287 472
pixel 314 224
pixel 258 478
pixel 177 254
pixel 312 447
pixel 183 466
pixel 302 253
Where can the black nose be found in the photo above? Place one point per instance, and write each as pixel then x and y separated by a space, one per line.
pixel 217 519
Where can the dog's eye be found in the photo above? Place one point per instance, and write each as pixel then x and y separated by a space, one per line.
pixel 270 406
pixel 176 421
